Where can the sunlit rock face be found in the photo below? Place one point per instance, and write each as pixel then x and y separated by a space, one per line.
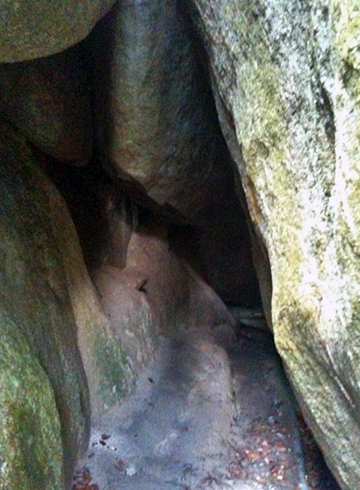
pixel 288 91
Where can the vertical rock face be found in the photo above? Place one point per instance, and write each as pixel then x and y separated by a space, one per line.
pixel 34 293
pixel 287 76
pixel 31 453
pixel 156 120
pixel 158 137
pixel 48 307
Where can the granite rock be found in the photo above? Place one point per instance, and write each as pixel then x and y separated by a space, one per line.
pixel 286 77
pixel 34 30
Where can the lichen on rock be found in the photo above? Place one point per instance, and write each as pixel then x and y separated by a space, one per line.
pixel 47 294
pixel 31 452
pixel 288 75
pixel 34 30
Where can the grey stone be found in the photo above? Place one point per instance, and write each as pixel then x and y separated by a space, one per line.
pixel 48 101
pixel 50 313
pixel 37 29
pixel 287 76
pixel 156 121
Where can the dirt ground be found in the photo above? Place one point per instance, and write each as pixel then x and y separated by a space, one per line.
pixel 211 412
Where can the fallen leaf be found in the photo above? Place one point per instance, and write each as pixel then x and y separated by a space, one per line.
pixel 281 447
pixel 87 479
pixel 120 465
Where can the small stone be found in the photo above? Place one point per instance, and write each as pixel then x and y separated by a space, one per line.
pixel 131 470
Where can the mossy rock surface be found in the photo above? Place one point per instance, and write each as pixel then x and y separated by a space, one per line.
pixel 288 74
pixel 60 330
pixel 36 29
pixel 34 290
pixel 31 452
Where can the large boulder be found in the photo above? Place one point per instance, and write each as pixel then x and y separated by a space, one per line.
pixel 287 77
pixel 158 135
pixel 156 123
pixel 49 313
pixel 48 101
pixel 36 29
pixel 35 297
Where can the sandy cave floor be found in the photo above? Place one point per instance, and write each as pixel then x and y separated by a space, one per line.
pixel 203 416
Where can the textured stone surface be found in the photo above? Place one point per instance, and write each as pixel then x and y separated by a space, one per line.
pixel 31 454
pixel 49 306
pixel 33 288
pixel 109 371
pixel 287 77
pixel 36 29
pixel 48 100
pixel 156 120
pixel 156 293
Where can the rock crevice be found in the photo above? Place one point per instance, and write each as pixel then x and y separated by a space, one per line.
pixel 183 158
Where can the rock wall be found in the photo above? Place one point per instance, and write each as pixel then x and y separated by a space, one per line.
pixel 48 307
pixel 134 99
pixel 287 81
pixel 71 346
pixel 48 100
pixel 163 141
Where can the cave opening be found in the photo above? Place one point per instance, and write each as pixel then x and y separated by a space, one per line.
pixel 167 240
pixel 182 138
pixel 206 219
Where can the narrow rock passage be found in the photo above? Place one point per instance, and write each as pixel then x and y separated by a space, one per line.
pixel 202 417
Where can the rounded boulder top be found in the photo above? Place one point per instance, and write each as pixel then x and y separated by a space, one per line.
pixel 36 29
